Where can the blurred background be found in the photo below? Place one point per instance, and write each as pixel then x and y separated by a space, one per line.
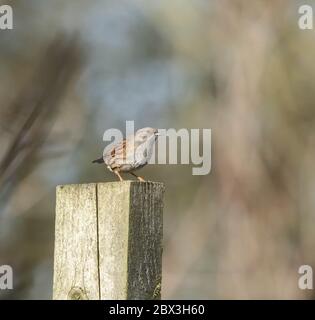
pixel 69 70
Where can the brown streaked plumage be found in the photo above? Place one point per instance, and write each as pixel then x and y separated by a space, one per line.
pixel 130 154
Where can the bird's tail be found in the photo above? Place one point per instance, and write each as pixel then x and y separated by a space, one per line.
pixel 100 160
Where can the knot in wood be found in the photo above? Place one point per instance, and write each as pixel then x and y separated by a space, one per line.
pixel 77 293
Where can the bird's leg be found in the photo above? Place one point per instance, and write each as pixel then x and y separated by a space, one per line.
pixel 139 178
pixel 119 176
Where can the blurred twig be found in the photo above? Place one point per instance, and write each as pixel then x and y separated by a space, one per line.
pixel 39 100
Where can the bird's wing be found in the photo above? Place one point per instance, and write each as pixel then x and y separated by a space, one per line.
pixel 118 154
pixel 119 150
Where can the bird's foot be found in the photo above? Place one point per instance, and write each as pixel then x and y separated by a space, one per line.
pixel 139 178
pixel 119 176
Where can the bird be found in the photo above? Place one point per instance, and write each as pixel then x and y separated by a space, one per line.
pixel 130 154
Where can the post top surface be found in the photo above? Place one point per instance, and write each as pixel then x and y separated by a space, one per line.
pixel 113 183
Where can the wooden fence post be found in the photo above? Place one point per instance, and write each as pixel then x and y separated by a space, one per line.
pixel 108 241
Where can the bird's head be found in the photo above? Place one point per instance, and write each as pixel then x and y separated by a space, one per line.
pixel 144 134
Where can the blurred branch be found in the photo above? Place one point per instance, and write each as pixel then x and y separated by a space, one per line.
pixel 40 101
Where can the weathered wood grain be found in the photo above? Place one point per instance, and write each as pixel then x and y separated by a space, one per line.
pixel 109 241
pixel 76 274
pixel 145 241
pixel 113 217
pixel 130 239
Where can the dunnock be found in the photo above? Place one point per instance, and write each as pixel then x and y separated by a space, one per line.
pixel 130 154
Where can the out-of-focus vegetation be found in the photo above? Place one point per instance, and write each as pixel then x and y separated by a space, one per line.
pixel 72 69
